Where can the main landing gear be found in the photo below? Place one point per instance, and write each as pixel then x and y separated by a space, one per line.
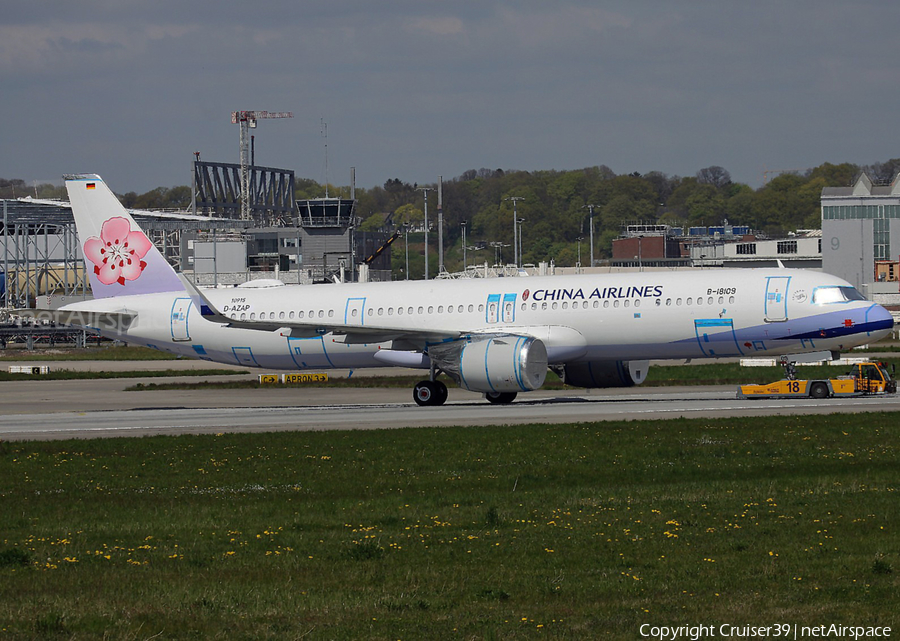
pixel 500 398
pixel 434 393
pixel 428 393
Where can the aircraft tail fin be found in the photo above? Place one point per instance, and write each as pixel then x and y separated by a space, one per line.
pixel 119 258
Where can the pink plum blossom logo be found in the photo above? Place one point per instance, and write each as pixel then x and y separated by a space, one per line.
pixel 117 255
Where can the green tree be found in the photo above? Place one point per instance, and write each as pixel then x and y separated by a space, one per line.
pixel 372 223
pixel 835 175
pixel 409 215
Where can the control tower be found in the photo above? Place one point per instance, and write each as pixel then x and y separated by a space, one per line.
pixel 326 236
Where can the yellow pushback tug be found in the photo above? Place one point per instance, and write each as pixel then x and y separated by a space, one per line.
pixel 865 378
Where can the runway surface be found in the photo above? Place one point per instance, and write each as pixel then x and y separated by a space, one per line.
pixel 101 408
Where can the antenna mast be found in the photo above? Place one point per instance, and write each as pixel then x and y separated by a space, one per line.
pixel 325 135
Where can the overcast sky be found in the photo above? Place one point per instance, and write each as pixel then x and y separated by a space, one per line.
pixel 415 89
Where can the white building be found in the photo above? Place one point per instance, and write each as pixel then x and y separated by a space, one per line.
pixel 861 243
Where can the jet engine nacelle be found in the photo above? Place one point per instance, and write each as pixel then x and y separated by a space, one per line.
pixel 497 363
pixel 606 373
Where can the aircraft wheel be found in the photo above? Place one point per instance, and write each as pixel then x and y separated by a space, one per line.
pixel 500 398
pixel 818 390
pixel 442 392
pixel 426 393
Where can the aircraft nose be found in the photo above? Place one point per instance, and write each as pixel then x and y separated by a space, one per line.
pixel 879 321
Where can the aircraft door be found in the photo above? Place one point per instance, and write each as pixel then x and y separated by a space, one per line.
pixel 509 308
pixel 180 310
pixel 353 314
pixel 493 308
pixel 776 298
pixel 244 356
pixel 309 352
pixel 716 337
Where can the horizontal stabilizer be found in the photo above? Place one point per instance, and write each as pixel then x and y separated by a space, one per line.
pixel 106 321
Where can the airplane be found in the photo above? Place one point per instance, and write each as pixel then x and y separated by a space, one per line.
pixel 496 336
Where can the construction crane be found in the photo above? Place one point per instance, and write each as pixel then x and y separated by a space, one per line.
pixel 380 250
pixel 247 120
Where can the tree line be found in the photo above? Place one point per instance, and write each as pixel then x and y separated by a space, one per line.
pixel 555 206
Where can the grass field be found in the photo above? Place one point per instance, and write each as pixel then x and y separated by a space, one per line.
pixel 70 375
pixel 107 352
pixel 563 532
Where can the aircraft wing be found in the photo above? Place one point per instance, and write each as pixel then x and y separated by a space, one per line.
pixel 352 334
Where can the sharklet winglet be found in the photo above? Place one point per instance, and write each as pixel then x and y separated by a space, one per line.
pixel 202 303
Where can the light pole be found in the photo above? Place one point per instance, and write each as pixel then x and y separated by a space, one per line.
pixel 497 245
pixel 590 208
pixel 406 244
pixel 578 264
pixel 521 252
pixel 463 225
pixel 425 190
pixel 515 200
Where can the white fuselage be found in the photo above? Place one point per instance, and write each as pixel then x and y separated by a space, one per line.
pixel 595 317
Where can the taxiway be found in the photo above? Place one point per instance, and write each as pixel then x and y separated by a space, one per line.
pixel 102 408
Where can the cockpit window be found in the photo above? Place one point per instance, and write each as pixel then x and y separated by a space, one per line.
pixel 827 295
